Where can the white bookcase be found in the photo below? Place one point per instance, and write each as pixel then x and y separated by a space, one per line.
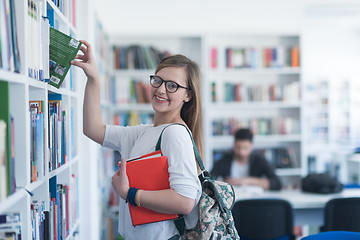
pixel 331 91
pixel 241 89
pixel 23 89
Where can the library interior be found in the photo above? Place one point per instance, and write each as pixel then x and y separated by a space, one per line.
pixel 286 70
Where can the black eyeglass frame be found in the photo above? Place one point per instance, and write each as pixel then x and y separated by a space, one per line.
pixel 166 82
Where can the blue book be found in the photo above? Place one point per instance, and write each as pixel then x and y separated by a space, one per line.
pixel 53 187
pixel 274 58
pixel 39 144
pixel 51 17
pixel 55 96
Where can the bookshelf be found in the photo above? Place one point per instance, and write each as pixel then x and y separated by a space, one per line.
pixel 331 93
pixel 254 81
pixel 38 166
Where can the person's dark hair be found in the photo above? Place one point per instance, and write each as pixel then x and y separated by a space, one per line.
pixel 243 134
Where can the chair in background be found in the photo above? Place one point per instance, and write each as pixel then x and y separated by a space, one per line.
pixel 342 214
pixel 334 235
pixel 264 219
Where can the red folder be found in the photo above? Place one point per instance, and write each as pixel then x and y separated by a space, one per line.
pixel 148 172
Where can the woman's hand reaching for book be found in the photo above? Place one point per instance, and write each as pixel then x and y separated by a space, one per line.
pixel 120 181
pixel 93 125
pixel 86 61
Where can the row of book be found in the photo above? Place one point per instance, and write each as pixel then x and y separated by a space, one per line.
pixel 58 132
pixel 51 219
pixel 133 118
pixel 131 91
pixel 38 37
pixel 7 144
pixel 58 136
pixel 251 57
pixel 138 57
pixel 259 126
pixel 278 157
pixel 9 48
pixel 239 92
pixel 67 7
pixel 37 56
pixel 10 226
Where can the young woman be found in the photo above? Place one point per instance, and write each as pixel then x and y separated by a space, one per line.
pixel 175 98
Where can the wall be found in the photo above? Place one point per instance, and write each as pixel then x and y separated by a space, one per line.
pixel 204 16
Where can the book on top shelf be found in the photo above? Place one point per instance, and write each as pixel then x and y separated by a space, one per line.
pixel 9 52
pixel 63 49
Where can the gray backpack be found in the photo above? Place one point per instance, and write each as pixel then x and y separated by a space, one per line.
pixel 217 199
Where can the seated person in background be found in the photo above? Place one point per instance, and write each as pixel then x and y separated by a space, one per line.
pixel 243 166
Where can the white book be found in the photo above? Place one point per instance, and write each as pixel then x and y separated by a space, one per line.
pixel 9 48
pixel 39 61
pixel 280 56
pixel 3 35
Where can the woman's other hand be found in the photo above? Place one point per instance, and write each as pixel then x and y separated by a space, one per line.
pixel 120 181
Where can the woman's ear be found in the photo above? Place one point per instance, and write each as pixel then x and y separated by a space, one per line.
pixel 189 96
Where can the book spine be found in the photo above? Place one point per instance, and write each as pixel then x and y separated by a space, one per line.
pixel 259 126
pixel 137 57
pixel 237 92
pixel 213 58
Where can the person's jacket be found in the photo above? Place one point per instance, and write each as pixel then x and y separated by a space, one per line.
pixel 258 167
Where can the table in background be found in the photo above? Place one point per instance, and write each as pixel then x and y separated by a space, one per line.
pixel 308 207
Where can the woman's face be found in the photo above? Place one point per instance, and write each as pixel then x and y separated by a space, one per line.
pixel 170 103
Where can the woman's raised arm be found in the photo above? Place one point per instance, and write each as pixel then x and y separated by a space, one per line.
pixel 93 125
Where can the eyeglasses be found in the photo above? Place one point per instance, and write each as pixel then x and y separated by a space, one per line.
pixel 170 86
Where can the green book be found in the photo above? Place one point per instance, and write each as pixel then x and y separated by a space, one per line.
pixel 5 116
pixel 63 49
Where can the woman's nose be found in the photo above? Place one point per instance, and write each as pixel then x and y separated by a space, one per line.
pixel 162 88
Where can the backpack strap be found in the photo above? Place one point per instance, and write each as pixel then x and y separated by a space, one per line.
pixel 204 172
pixel 180 221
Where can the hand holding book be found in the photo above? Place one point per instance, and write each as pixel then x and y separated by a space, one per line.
pixel 148 172
pixel 62 50
pixel 120 181
pixel 86 61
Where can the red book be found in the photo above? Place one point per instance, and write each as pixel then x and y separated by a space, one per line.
pixel 148 172
pixel 213 58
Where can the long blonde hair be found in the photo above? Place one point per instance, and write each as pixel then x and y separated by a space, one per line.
pixel 191 111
